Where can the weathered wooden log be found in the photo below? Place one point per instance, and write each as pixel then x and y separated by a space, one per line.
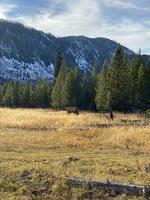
pixel 146 191
pixel 133 190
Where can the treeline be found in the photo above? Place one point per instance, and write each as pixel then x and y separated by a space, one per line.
pixel 122 84
pixel 27 95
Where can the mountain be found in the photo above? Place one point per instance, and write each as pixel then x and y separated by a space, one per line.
pixel 29 54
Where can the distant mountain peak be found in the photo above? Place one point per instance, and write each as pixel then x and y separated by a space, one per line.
pixel 29 54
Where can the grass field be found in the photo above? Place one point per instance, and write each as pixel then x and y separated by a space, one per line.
pixel 37 143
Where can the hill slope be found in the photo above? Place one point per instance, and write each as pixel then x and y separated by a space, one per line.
pixel 28 54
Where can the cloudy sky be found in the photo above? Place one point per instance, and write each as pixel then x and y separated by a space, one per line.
pixel 125 21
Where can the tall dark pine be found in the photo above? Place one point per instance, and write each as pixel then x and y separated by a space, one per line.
pixel 25 95
pixel 134 67
pixel 147 83
pixel 140 95
pixel 57 91
pixel 58 63
pixel 92 86
pixel 8 98
pixel 16 90
pixel 101 98
pixel 41 93
pixel 71 88
pixel 85 84
pixel 118 84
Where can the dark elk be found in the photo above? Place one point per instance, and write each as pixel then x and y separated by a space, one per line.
pixel 73 110
pixel 111 115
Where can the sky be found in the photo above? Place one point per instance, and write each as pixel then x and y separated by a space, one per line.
pixel 124 21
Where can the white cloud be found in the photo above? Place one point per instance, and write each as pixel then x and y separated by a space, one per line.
pixel 4 9
pixel 132 34
pixel 125 5
pixel 81 17
pixel 89 18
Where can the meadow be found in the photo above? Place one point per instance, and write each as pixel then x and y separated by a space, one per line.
pixel 37 145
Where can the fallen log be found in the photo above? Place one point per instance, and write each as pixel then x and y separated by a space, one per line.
pixel 133 190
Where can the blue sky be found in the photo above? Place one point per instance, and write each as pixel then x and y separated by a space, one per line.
pixel 125 21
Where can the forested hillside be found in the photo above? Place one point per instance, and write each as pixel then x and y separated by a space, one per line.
pixel 29 54
pixel 122 84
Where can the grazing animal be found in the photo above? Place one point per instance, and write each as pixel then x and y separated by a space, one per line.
pixel 72 110
pixel 111 115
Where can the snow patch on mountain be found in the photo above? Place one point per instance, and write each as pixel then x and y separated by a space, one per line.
pixel 12 69
pixel 82 63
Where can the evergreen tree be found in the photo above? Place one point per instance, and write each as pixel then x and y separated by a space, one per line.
pixel 92 86
pixel 8 99
pixel 57 92
pixel 33 99
pixel 38 92
pixel 50 94
pixel 140 94
pixel 58 63
pixel 126 82
pixel 46 93
pixel 147 83
pixel 85 90
pixel 133 78
pixel 41 94
pixel 25 95
pixel 118 82
pixel 4 88
pixel 70 93
pixel 94 74
pixel 101 98
pixel 1 95
pixel 88 82
pixel 16 91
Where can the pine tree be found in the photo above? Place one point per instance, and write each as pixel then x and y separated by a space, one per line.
pixel 4 88
pixel 92 86
pixel 85 83
pixel 140 94
pixel 46 93
pixel 70 93
pixel 102 89
pixel 118 82
pixel 16 91
pixel 126 82
pixel 33 99
pixel 57 92
pixel 147 83
pixel 1 95
pixel 50 94
pixel 133 78
pixel 25 95
pixel 38 92
pixel 8 99
pixel 58 63
pixel 88 82
pixel 41 94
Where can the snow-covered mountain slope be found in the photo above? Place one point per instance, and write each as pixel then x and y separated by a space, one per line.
pixel 11 69
pixel 28 54
pixel 84 51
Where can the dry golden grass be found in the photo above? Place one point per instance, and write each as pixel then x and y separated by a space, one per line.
pixel 26 128
pixel 43 139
